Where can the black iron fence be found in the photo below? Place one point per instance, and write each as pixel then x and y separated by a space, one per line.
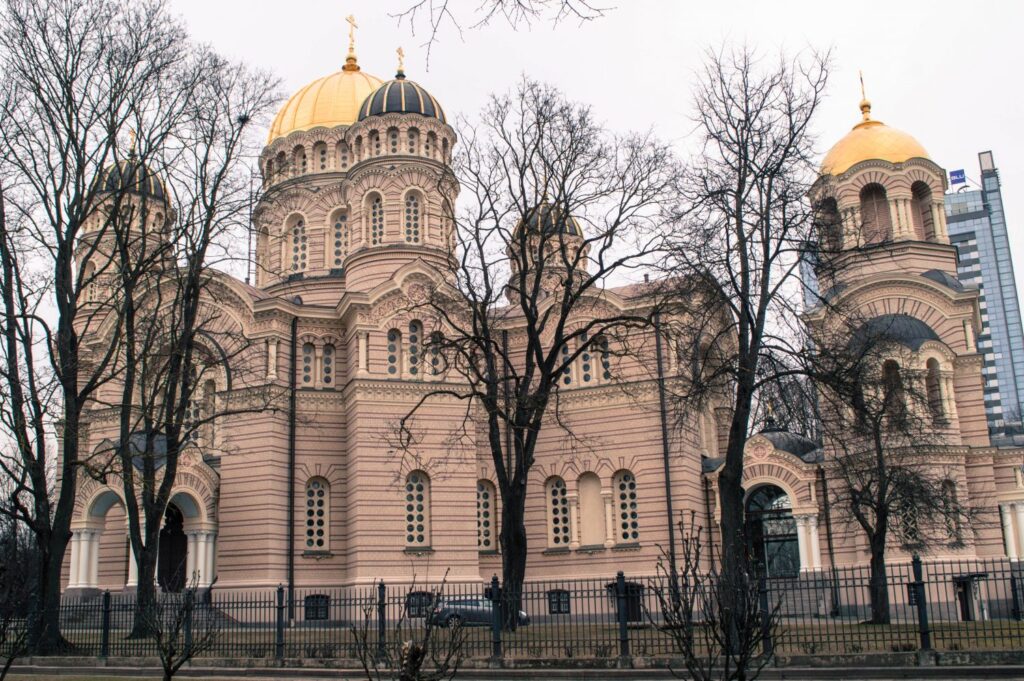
pixel 942 605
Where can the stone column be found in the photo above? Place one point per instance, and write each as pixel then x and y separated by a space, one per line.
pixel 895 220
pixel 271 358
pixel 76 550
pixel 1018 510
pixel 133 569
pixel 200 560
pixel 318 366
pixel 801 541
pixel 609 517
pixel 815 547
pixel 364 353
pixel 1009 533
pixel 88 569
pixel 948 396
pixel 574 520
pixel 190 557
pixel 939 222
pixel 211 558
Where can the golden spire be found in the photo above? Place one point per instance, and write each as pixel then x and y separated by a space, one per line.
pixel 350 60
pixel 401 62
pixel 865 103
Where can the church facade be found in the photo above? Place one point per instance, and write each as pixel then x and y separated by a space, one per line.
pixel 350 225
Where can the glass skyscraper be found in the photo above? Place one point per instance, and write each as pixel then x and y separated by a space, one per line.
pixel 977 227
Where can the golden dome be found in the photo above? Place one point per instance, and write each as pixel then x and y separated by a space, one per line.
pixel 870 140
pixel 327 102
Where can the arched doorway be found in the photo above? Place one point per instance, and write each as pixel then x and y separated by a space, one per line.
pixel 172 560
pixel 772 532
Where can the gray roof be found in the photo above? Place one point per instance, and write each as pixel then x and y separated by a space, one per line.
pixel 896 328
pixel 947 280
pixel 797 445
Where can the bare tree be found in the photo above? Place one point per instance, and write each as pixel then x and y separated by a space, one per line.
pixel 434 15
pixel 183 626
pixel 886 428
pixel 558 207
pixel 747 223
pixel 434 653
pixel 74 71
pixel 16 585
pixel 692 610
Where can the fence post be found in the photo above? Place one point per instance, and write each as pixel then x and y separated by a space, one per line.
pixel 105 633
pixel 382 614
pixel 189 606
pixel 496 620
pixel 922 604
pixel 620 611
pixel 767 645
pixel 279 625
pixel 1015 596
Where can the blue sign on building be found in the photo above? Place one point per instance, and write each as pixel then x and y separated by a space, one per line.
pixel 957 177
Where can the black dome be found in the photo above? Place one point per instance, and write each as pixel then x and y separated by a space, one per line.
pixel 895 328
pixel 548 219
pixel 401 96
pixel 130 175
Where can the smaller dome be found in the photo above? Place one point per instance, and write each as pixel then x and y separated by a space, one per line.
pixel 132 176
pixel 871 140
pixel 549 218
pixel 401 96
pixel 893 328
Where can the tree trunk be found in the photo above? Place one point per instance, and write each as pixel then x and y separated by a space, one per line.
pixel 145 595
pixel 878 587
pixel 513 554
pixel 44 636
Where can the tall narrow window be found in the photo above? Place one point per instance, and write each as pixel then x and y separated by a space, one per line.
pixel 376 220
pixel 415 339
pixel 592 513
pixel 444 150
pixel 430 145
pixel 343 155
pixel 566 373
pixel 358 156
pixel 558 512
pixel 394 352
pixel 417 510
pixel 281 166
pixel 308 356
pixel 318 509
pixel 299 246
pixel 321 154
pixel 951 510
pixel 892 384
pixel 606 358
pixel 485 516
pixel 300 160
pixel 412 218
pixel 412 140
pixel 436 358
pixel 586 361
pixel 327 370
pixel 933 388
pixel 340 240
pixel 874 213
pixel 629 516
pixel 393 140
pixel 375 142
pixel 194 407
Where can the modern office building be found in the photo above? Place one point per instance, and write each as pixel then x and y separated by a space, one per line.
pixel 977 227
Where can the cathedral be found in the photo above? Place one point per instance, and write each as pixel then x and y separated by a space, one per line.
pixel 349 224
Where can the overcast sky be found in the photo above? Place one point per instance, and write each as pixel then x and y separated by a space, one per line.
pixel 947 72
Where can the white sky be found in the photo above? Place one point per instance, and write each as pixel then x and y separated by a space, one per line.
pixel 947 72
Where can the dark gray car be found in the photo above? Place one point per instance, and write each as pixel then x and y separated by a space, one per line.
pixel 467 611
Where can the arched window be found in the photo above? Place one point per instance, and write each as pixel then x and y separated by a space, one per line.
pixel 359 150
pixel 415 341
pixel 299 160
pixel 485 515
pixel 444 150
pixel 951 510
pixel 417 510
pixel 412 140
pixel 340 243
pixel 375 142
pixel 592 515
pixel 430 145
pixel 376 220
pixel 343 155
pixel 921 211
pixel 394 353
pixel 412 217
pixel 566 373
pixel 393 140
pixel 933 388
pixel 874 214
pixel 320 153
pixel 892 385
pixel 327 370
pixel 771 532
pixel 300 247
pixel 586 361
pixel 829 225
pixel 308 357
pixel 624 484
pixel 558 512
pixel 194 406
pixel 281 166
pixel 318 514
pixel 436 355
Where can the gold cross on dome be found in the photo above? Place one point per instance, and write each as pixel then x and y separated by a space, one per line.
pixel 352 26
pixel 401 58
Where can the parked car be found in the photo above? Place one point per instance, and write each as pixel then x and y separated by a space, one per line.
pixel 469 612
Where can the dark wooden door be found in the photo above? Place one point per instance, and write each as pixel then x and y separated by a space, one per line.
pixel 173 552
